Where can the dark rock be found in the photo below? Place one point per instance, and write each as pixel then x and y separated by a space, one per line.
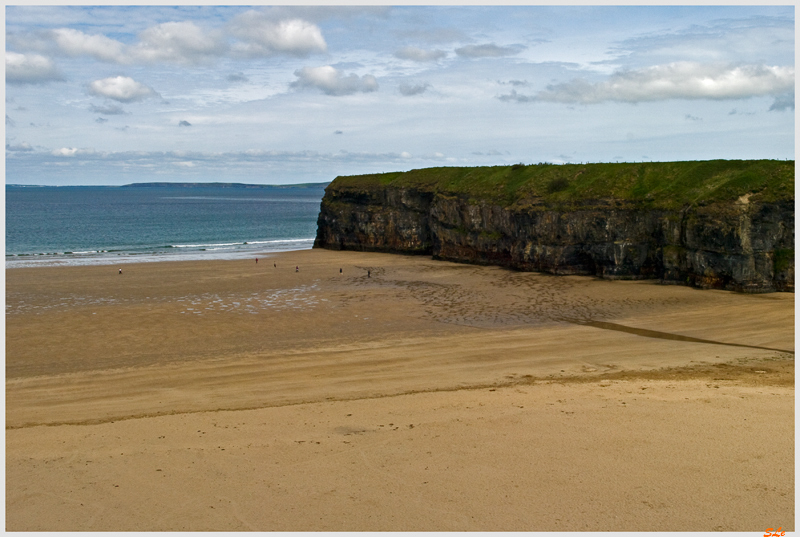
pixel 743 245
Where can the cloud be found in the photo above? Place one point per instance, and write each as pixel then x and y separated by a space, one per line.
pixel 237 77
pixel 219 159
pixel 101 120
pixel 178 42
pixel 76 43
pixel 184 123
pixel 242 166
pixel 30 69
pixel 65 152
pixel 489 50
pixel 689 117
pixel 251 34
pixel 107 110
pixel 419 55
pixel 736 112
pixel 435 35
pixel 337 132
pixel 262 36
pixel 678 80
pixel 750 40
pixel 10 122
pixel 408 90
pixel 518 97
pixel 121 88
pixel 333 82
pixel 23 146
pixel 321 13
pixel 783 102
pixel 513 82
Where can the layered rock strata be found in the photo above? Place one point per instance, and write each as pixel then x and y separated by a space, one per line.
pixel 745 244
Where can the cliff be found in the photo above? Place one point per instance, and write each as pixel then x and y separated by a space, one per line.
pixel 710 224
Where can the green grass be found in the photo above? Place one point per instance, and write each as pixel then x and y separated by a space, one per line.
pixel 659 184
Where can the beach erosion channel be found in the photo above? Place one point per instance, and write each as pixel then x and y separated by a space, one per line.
pixel 322 390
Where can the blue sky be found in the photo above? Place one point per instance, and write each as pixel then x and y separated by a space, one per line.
pixel 114 95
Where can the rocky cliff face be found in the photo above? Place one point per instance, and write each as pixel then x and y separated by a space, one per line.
pixel 742 245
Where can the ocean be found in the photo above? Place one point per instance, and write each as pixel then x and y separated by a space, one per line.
pixel 110 225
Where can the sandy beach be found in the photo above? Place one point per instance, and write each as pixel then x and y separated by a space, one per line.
pixel 403 394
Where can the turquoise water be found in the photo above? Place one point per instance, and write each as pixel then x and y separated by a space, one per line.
pixel 108 225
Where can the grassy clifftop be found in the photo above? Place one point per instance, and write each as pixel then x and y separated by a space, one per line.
pixel 657 184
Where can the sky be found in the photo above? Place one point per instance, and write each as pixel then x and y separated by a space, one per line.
pixel 111 95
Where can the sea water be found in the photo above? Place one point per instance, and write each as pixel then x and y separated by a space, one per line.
pixel 109 225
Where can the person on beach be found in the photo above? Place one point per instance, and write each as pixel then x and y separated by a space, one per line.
pixel 120 271
pixel 256 261
pixel 340 271
pixel 368 276
pixel 297 268
pixel 275 265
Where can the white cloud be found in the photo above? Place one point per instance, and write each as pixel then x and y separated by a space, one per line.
pixel 419 55
pixel 76 43
pixel 30 69
pixel 489 50
pixel 178 42
pixel 255 34
pixel 121 88
pixel 262 36
pixel 65 152
pixel 677 80
pixel 333 82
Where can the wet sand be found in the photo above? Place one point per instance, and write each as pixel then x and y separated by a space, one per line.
pixel 230 395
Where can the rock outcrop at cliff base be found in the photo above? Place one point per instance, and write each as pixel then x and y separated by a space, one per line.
pixel 713 224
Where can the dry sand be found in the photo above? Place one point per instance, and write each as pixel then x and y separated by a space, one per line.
pixel 231 395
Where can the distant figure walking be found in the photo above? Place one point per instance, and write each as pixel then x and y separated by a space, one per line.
pixel 368 276
pixel 256 261
pixel 275 265
pixel 340 271
pixel 120 271
pixel 297 268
